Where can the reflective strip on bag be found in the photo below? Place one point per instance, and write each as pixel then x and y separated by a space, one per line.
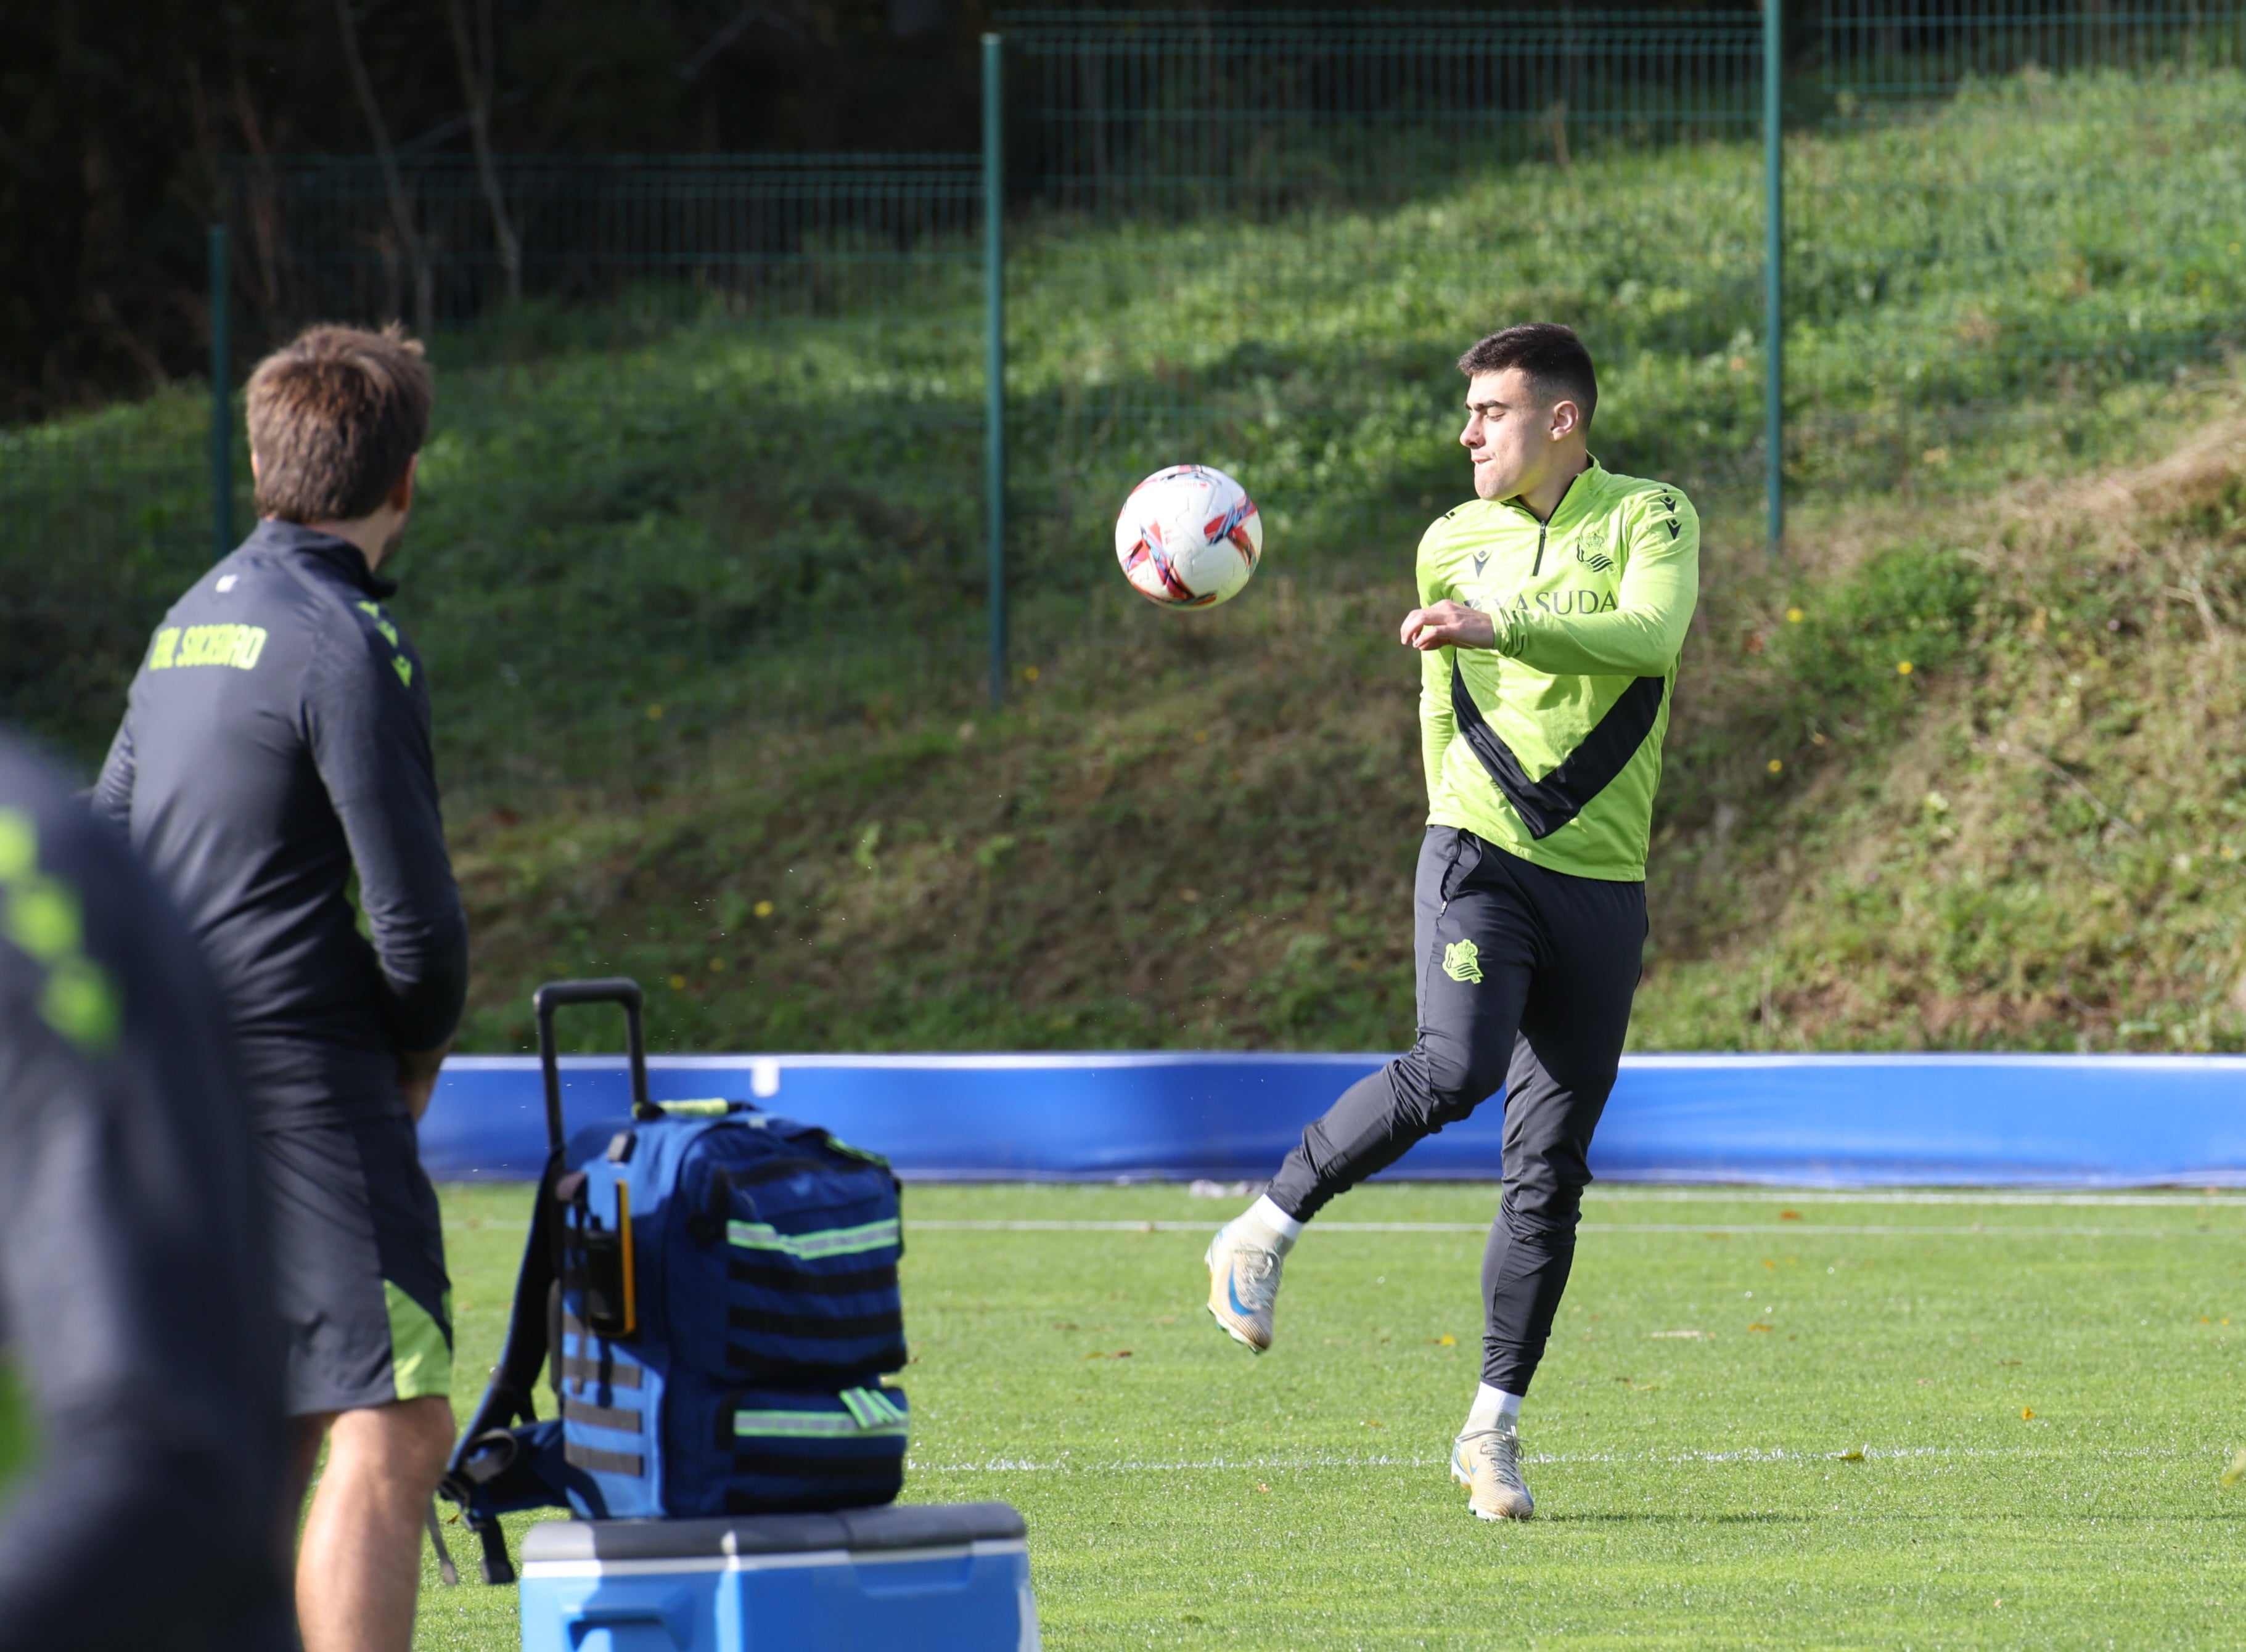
pixel 809 1426
pixel 600 1462
pixel 871 1408
pixel 832 1241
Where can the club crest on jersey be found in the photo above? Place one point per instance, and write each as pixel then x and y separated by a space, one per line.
pixel 1591 549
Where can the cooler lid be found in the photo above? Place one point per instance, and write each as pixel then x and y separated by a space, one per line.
pixel 922 1526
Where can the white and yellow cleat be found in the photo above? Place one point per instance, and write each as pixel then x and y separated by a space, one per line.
pixel 1488 1463
pixel 1244 1260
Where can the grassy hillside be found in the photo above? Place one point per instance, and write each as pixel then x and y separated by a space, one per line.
pixel 2031 840
pixel 701 611
pixel 1198 829
pixel 693 517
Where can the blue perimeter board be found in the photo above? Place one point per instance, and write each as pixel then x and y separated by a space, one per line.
pixel 1827 1121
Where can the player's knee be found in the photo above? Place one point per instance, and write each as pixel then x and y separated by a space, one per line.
pixel 1547 1227
pixel 1451 1083
pixel 428 1431
pixel 407 1444
pixel 1543 1201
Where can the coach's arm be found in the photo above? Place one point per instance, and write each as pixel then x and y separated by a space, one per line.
pixel 370 737
pixel 112 793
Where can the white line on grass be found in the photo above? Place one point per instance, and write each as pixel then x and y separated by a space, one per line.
pixel 1891 1231
pixel 1802 1229
pixel 1624 1193
pixel 1901 1196
pixel 1331 1459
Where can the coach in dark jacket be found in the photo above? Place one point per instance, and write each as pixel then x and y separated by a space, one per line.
pixel 276 741
pixel 144 1366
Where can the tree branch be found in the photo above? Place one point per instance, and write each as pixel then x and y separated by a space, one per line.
pixel 475 85
pixel 692 68
pixel 401 211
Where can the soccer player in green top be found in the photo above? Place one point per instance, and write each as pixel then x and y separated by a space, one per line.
pixel 1553 608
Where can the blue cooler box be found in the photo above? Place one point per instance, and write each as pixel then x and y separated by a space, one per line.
pixel 937 1578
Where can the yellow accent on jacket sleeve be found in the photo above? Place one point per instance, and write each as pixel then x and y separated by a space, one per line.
pixel 1438 724
pixel 1644 632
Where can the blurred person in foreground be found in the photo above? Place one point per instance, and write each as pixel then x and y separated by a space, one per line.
pixel 276 742
pixel 140 1424
pixel 1553 608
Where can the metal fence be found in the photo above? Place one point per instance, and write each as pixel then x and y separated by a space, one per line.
pixel 688 404
pixel 2022 204
pixel 621 238
pixel 1124 112
pixel 1246 154
pixel 1997 215
pixel 650 392
pixel 1888 52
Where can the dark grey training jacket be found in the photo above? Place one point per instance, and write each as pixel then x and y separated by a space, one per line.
pixel 135 1295
pixel 277 739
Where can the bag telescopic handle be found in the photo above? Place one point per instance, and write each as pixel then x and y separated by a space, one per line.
pixel 615 989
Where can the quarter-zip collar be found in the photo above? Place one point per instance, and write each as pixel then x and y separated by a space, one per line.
pixel 294 539
pixel 1575 492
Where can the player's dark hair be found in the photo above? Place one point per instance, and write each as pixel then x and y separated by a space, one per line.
pixel 335 415
pixel 1558 365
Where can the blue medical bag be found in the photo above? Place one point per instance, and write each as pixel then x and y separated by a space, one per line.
pixel 713 1292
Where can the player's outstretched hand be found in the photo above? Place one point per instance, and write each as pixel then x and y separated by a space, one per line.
pixel 1448 625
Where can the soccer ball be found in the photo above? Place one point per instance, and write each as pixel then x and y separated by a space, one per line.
pixel 1188 537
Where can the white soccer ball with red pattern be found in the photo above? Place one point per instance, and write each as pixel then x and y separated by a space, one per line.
pixel 1188 537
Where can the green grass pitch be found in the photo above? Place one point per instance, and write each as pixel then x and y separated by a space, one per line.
pixel 1782 1420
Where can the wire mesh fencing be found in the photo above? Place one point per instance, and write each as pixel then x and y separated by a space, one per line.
pixel 687 407
pixel 616 241
pixel 1261 238
pixel 711 428
pixel 1195 112
pixel 1997 216
pixel 103 519
pixel 1258 240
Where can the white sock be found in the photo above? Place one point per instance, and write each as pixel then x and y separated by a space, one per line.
pixel 1491 1408
pixel 1267 1214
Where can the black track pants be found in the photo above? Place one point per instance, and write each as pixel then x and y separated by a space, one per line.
pixel 1526 977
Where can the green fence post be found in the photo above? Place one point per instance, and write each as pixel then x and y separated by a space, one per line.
pixel 1773 269
pixel 221 408
pixel 994 350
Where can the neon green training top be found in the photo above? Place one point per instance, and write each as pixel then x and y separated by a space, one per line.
pixel 1549 744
